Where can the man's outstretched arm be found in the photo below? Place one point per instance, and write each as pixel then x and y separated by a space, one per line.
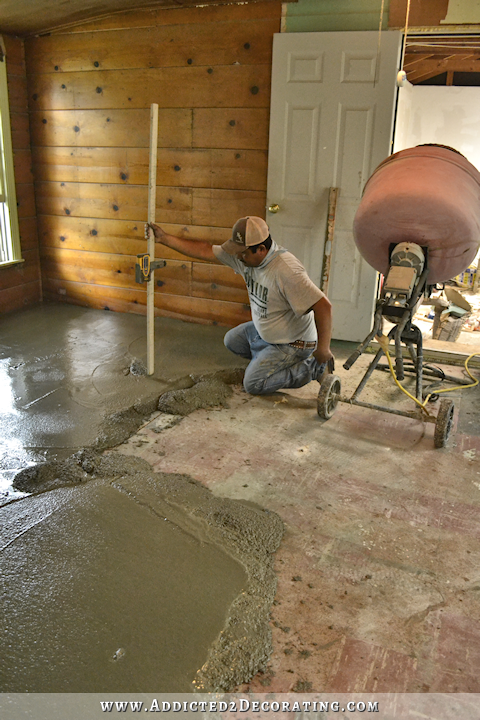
pixel 199 249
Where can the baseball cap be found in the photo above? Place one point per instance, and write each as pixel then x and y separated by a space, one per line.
pixel 246 232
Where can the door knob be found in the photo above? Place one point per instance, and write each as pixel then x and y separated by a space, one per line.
pixel 273 208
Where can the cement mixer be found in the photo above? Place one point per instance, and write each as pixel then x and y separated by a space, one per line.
pixel 418 224
pixel 428 195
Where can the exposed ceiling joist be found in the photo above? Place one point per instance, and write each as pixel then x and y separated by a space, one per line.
pixel 427 56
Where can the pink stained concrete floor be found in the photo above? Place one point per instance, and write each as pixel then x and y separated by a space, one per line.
pixel 378 571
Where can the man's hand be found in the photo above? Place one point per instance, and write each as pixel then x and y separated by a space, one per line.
pixel 322 356
pixel 157 231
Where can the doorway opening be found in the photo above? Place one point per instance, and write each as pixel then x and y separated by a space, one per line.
pixel 440 104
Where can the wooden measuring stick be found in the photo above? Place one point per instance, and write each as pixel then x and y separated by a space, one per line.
pixel 328 247
pixel 152 187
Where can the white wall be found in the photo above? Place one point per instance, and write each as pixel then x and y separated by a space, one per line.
pixel 439 114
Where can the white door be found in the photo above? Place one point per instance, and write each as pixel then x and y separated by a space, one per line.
pixel 332 111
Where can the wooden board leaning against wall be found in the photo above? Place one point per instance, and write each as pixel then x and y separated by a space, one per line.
pixel 90 89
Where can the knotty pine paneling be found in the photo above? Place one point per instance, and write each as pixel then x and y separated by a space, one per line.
pixel 157 17
pixel 112 270
pixel 24 273
pixel 17 92
pixel 25 200
pixel 112 201
pixel 20 129
pixel 224 207
pixel 15 52
pixel 110 128
pixel 184 167
pixel 116 237
pixel 229 128
pixel 177 87
pixel 200 310
pixel 121 237
pixel 22 163
pixel 20 296
pixel 28 233
pixel 178 277
pixel 89 92
pixel 233 127
pixel 223 43
pixel 197 206
pixel 20 284
pixel 218 282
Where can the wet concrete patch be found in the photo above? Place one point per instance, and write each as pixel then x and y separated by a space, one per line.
pixel 192 393
pixel 186 395
pixel 84 465
pixel 68 373
pixel 89 557
pixel 119 426
pixel 204 391
pixel 217 549
pixel 248 534
pixel 109 612
pixel 134 581
pixel 204 394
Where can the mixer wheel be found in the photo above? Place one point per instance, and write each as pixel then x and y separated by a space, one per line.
pixel 444 423
pixel 328 396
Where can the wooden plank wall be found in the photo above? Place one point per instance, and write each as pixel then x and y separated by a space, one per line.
pixel 20 284
pixel 90 90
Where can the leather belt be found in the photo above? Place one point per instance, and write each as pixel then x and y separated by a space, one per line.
pixel 303 344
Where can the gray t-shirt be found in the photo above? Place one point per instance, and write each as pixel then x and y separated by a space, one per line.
pixel 280 293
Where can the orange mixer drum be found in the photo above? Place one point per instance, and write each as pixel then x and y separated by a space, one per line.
pixel 429 195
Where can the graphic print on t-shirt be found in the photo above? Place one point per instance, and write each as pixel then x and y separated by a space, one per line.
pixel 258 295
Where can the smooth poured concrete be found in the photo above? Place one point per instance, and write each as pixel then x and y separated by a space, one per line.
pixel 94 595
pixel 115 577
pixel 134 581
pixel 65 370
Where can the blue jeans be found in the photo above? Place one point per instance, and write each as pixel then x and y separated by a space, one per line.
pixel 272 366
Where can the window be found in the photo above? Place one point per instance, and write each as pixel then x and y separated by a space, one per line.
pixel 10 251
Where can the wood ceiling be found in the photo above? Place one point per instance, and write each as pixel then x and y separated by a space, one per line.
pixel 428 56
pixel 34 17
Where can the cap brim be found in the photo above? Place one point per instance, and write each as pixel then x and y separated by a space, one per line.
pixel 232 248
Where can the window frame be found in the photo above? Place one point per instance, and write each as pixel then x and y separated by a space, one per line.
pixel 9 225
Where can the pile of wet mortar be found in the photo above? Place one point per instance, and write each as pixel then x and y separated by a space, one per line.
pixel 118 578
